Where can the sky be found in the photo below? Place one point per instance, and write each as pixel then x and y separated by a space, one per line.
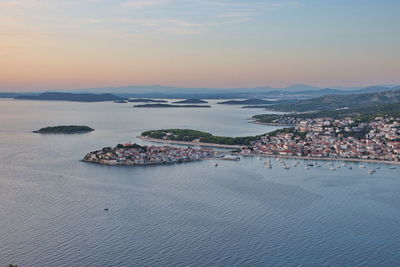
pixel 71 44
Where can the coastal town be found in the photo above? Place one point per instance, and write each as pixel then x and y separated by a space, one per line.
pixel 134 154
pixel 376 139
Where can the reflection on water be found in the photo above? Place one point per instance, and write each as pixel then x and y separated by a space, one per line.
pixel 239 213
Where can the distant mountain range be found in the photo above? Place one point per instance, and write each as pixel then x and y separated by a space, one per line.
pixel 299 91
pixel 294 91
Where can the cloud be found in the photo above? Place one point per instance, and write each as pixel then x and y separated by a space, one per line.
pixel 237 15
pixel 167 25
pixel 144 3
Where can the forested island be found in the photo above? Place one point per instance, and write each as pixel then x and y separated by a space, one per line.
pixel 65 129
pixel 191 101
pixel 121 101
pixel 146 100
pixel 56 96
pixel 170 106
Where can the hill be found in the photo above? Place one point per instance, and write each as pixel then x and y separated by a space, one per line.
pixel 334 102
pixel 362 113
pixel 54 96
pixel 189 135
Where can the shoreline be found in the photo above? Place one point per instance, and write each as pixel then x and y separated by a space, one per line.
pixel 152 163
pixel 270 156
pixel 78 132
pixel 133 164
pixel 156 140
pixel 325 159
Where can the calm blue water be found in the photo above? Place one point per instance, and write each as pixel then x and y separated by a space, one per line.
pixel 195 214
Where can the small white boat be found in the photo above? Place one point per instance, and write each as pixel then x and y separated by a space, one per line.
pixel 350 168
pixel 306 168
pixel 362 166
pixel 371 171
pixel 333 169
pixel 215 164
pixel 268 166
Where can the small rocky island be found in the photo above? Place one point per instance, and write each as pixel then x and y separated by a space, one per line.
pixel 121 101
pixel 65 129
pixel 134 154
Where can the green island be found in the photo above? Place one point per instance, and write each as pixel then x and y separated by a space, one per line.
pixel 191 101
pixel 170 106
pixel 65 129
pixel 189 135
pixel 147 100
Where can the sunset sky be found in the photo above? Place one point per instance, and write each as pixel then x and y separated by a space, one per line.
pixel 67 44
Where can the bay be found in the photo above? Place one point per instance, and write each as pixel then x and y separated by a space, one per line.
pixel 194 214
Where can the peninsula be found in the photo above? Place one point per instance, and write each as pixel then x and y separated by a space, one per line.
pixel 136 155
pixel 65 129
